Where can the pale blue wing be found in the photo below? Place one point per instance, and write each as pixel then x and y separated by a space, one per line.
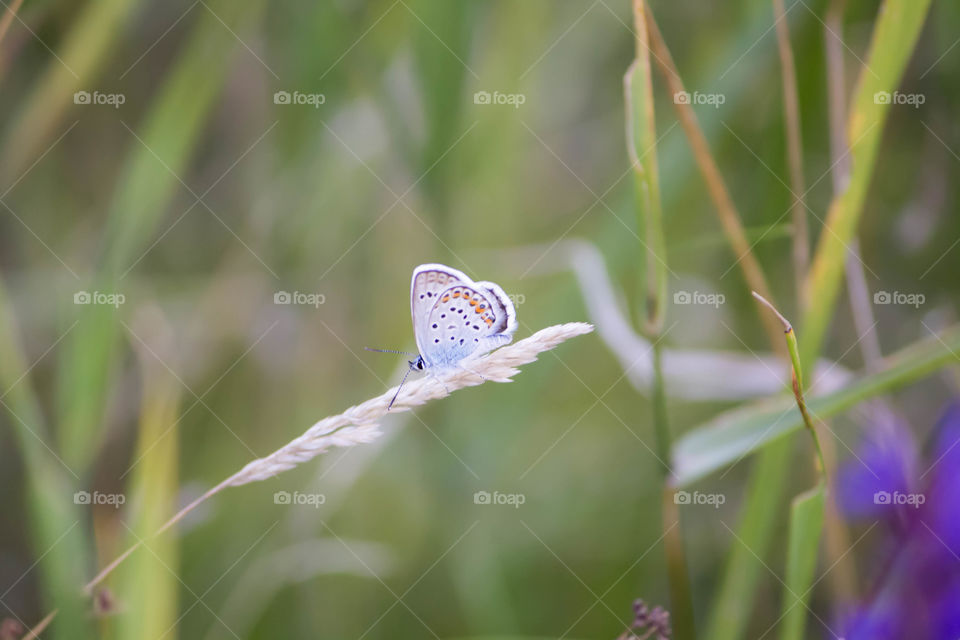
pixel 503 307
pixel 426 285
pixel 465 320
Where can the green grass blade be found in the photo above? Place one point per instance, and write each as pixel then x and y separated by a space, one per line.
pixel 806 523
pixel 169 135
pixel 442 53
pixel 641 147
pixel 57 530
pixel 735 434
pixel 77 66
pixel 641 138
pixel 147 581
pixel 731 609
pixel 894 37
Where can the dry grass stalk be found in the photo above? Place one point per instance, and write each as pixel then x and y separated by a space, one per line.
pixel 8 16
pixel 717 188
pixel 40 627
pixel 360 424
pixel 791 117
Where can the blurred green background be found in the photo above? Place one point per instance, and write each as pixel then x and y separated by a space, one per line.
pixel 204 194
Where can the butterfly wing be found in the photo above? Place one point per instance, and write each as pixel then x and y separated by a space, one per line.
pixel 426 285
pixel 467 319
pixel 503 307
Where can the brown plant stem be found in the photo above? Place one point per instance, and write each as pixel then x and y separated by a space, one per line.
pixel 40 627
pixel 8 17
pixel 727 212
pixel 680 589
pixel 843 580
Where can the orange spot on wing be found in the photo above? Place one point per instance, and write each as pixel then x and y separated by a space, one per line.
pixel 456 294
pixel 445 298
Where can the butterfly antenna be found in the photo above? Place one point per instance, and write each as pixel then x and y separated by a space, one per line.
pixel 403 353
pixel 389 406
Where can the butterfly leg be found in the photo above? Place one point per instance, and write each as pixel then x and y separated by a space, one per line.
pixel 437 378
pixel 476 373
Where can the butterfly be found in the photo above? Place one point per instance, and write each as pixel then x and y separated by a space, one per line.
pixel 455 318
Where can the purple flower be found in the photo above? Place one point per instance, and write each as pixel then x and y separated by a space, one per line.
pixel 917 588
pixel 875 623
pixel 885 466
pixel 942 511
pixel 648 624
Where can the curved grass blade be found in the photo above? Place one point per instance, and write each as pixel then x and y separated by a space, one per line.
pixel 894 37
pixel 733 435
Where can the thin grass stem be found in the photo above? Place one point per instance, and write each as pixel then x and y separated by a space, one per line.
pixel 8 17
pixel 730 219
pixel 641 147
pixel 359 424
pixel 791 117
pixel 794 351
